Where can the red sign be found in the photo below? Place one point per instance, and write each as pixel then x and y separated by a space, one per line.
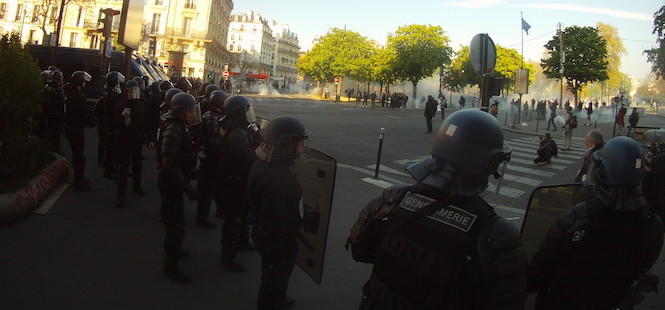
pixel 338 79
pixel 226 74
pixel 166 64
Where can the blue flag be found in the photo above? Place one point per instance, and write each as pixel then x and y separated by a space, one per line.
pixel 525 26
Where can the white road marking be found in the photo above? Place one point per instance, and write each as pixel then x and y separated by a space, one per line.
pixel 377 182
pixel 389 170
pixel 531 171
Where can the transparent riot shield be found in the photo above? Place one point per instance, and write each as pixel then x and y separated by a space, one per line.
pixel 316 173
pixel 546 204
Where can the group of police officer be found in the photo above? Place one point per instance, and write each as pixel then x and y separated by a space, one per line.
pixel 434 245
pixel 215 130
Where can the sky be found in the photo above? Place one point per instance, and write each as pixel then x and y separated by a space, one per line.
pixel 462 19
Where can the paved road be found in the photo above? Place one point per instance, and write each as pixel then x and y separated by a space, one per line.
pixel 87 254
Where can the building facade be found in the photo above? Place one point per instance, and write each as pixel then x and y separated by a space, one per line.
pixel 198 28
pixel 286 54
pixel 252 42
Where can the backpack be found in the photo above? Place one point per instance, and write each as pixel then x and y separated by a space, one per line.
pixel 573 122
pixel 555 149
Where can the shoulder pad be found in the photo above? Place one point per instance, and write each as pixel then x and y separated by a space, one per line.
pixel 501 235
pixel 394 193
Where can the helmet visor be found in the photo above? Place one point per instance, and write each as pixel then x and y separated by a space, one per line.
pixel 250 115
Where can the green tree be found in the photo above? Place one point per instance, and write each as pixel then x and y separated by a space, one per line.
pixel 585 57
pixel 339 53
pixel 461 73
pixel 419 51
pixel 656 56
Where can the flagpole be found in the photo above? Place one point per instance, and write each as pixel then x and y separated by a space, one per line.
pixel 522 33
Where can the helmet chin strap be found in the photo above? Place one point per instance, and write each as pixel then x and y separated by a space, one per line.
pixel 439 174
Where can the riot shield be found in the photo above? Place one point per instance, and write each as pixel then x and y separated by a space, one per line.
pixel 546 204
pixel 316 173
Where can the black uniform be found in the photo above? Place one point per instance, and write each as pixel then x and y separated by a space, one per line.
pixel 430 112
pixel 461 256
pixel 177 160
pixel 54 112
pixel 132 134
pixel 238 144
pixel 210 178
pixel 274 198
pixel 591 256
pixel 77 117
pixel 107 149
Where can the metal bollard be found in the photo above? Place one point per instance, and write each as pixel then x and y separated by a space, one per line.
pixel 382 132
pixel 595 124
pixel 537 123
pixel 505 119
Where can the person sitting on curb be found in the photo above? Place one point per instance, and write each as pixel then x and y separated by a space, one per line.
pixel 546 150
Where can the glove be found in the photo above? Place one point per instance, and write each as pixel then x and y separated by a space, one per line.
pixel 192 193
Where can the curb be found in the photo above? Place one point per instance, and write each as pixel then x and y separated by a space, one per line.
pixel 17 205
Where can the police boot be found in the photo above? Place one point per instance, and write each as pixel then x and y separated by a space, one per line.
pixel 80 183
pixel 173 271
pixel 230 263
pixel 288 302
pixel 243 243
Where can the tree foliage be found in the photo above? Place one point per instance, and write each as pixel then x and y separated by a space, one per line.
pixel 615 50
pixel 419 50
pixel 461 74
pixel 585 57
pixel 656 56
pixel 339 53
pixel 46 9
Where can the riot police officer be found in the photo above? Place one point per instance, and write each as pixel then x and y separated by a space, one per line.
pixel 77 117
pixel 239 140
pixel 274 198
pixel 211 152
pixel 54 108
pixel 437 244
pixel 130 120
pixel 593 253
pixel 204 102
pixel 107 147
pixel 201 92
pixel 184 84
pixel 163 87
pixel 176 163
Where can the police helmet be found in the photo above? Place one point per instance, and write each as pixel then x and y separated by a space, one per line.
pixel 236 105
pixel 80 77
pixel 168 95
pixel 114 78
pixel 209 89
pixel 471 141
pixel 202 89
pixel 285 131
pixel 182 101
pixel 154 87
pixel 217 98
pixel 184 84
pixel 619 163
pixel 146 79
pixel 57 76
pixel 133 89
pixel 47 76
pixel 165 85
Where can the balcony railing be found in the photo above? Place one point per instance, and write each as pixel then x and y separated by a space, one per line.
pixel 189 34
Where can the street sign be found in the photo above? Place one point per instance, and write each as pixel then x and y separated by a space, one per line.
pixel 225 74
pixel 337 80
pixel 522 81
pixel 482 53
pixel 108 51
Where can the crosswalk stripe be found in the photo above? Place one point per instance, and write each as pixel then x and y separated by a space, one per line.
pixel 573 149
pixel 531 171
pixel 533 156
pixel 530 162
pixel 511 209
pixel 379 183
pixel 406 161
pixel 387 169
pixel 520 179
pixel 506 191
pixel 524 149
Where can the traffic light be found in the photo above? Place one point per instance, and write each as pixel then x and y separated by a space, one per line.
pixel 108 22
pixel 496 85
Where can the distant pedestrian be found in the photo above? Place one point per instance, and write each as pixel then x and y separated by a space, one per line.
pixel 552 116
pixel 462 102
pixel 570 124
pixel 589 111
pixel 620 119
pixel 633 119
pixel 494 109
pixel 444 105
pixel 430 112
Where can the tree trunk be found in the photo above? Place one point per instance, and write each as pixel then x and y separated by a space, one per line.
pixel 415 92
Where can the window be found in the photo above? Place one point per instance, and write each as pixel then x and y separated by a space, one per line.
pixel 190 4
pixel 159 2
pixel 93 41
pixel 72 39
pixel 231 47
pixel 187 26
pixel 35 14
pixel 78 17
pixel 19 12
pixel 54 15
pixel 31 36
pixel 233 36
pixel 3 10
pixel 156 19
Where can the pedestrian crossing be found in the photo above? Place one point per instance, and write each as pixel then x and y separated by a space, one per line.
pixel 521 175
